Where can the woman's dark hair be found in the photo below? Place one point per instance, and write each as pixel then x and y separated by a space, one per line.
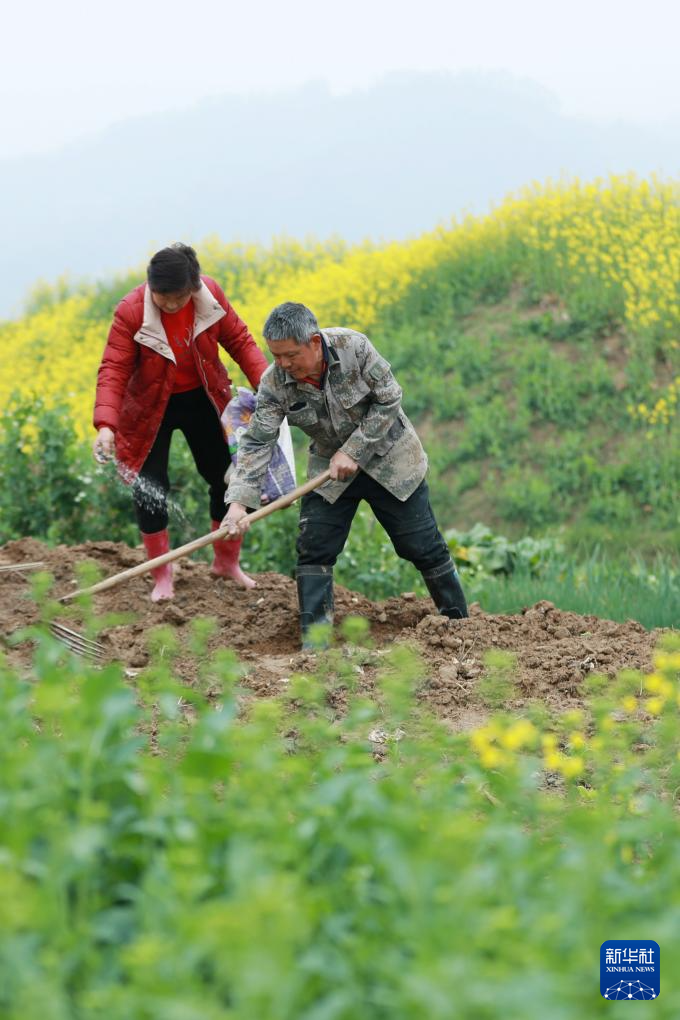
pixel 174 269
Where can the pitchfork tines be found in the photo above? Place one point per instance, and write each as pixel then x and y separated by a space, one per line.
pixel 78 643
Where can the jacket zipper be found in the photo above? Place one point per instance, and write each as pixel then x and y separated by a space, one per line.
pixel 199 366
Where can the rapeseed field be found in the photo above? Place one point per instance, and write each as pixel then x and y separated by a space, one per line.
pixel 609 249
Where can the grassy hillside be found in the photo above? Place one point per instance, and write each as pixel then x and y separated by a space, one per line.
pixel 538 349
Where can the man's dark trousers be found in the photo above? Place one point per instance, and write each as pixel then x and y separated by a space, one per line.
pixel 411 526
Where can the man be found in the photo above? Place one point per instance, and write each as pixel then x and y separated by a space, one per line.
pixel 334 385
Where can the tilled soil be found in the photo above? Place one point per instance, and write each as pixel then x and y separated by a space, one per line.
pixel 554 650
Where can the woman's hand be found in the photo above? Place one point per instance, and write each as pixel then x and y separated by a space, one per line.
pixel 104 446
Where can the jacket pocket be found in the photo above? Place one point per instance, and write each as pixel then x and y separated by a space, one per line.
pixel 351 394
pixel 302 416
pixel 353 401
pixel 395 432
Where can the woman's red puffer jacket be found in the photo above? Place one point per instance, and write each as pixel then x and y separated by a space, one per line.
pixel 138 368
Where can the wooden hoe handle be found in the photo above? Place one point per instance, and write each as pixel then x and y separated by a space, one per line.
pixel 198 543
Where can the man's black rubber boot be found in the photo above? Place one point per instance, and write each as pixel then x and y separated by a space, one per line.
pixel 445 588
pixel 315 599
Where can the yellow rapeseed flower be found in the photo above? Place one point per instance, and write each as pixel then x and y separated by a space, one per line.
pixel 520 734
pixel 614 241
pixel 571 767
pixel 493 758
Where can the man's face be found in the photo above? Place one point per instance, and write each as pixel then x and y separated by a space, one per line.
pixel 302 361
pixel 170 303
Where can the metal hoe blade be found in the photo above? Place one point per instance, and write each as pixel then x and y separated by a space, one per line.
pixel 78 643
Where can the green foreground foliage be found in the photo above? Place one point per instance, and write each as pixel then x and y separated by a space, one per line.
pixel 174 853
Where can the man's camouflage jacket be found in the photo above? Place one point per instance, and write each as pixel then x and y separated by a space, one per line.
pixel 357 410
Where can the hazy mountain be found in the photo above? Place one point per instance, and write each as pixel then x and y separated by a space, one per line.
pixel 386 162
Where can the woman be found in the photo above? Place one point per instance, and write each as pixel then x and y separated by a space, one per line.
pixel 161 371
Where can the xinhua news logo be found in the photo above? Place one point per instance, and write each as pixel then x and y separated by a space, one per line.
pixel 630 969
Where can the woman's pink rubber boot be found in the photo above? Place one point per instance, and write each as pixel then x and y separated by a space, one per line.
pixel 226 562
pixel 155 545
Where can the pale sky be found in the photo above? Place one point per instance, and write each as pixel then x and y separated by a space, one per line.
pixel 70 67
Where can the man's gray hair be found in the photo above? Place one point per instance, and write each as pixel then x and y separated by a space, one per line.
pixel 291 321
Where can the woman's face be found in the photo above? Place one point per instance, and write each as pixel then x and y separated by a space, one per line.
pixel 173 302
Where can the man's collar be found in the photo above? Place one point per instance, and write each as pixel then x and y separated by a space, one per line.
pixel 330 354
pixel 324 350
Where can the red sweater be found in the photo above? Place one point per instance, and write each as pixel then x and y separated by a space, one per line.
pixel 137 373
pixel 179 329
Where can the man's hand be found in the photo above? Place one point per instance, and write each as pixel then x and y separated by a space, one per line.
pixel 104 445
pixel 236 520
pixel 342 466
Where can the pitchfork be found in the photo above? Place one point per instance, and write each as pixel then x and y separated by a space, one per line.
pixel 96 651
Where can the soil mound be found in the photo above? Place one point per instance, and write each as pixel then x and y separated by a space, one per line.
pixel 554 650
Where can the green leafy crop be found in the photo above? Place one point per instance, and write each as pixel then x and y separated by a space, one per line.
pixel 168 852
